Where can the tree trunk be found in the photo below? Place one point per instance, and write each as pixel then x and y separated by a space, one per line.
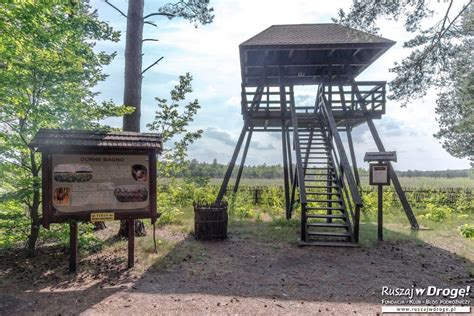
pixel 99 226
pixel 34 209
pixel 133 65
pixel 132 95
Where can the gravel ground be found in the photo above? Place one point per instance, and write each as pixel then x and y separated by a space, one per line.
pixel 242 275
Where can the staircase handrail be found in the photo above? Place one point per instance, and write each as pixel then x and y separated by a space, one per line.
pixel 346 169
pixel 296 141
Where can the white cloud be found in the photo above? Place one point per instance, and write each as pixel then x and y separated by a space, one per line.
pixel 210 53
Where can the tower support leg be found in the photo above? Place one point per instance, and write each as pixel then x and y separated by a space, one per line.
pixel 231 166
pixel 242 162
pixel 353 158
pixel 393 176
pixel 285 169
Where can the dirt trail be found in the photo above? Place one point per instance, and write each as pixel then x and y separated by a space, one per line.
pixel 241 275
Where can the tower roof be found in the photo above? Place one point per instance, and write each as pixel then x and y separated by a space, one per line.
pixel 308 54
pixel 313 35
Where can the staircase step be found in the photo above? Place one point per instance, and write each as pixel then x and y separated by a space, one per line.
pixel 323 208
pixel 325 216
pixel 325 201
pixel 339 225
pixel 318 153
pixel 322 193
pixel 329 234
pixel 327 244
pixel 321 186
pixel 319 180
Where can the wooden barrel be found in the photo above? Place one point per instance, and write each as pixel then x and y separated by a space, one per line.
pixel 210 221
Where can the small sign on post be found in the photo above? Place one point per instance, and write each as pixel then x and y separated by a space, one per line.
pixel 379 175
pixel 97 176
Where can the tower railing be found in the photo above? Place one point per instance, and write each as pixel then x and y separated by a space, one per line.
pixel 342 96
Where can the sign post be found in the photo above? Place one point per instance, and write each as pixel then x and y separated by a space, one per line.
pixel 73 246
pixel 97 176
pixel 379 175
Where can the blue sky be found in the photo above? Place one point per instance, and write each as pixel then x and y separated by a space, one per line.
pixel 210 54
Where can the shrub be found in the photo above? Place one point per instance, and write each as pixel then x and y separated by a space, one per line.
pixel 437 213
pixel 168 208
pixel 467 231
pixel 370 201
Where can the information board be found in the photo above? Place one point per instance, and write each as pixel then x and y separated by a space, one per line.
pixel 100 182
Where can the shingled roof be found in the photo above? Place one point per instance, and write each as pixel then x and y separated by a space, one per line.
pixel 313 34
pixel 300 54
pixel 77 138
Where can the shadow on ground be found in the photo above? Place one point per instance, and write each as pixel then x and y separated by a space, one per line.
pixel 247 265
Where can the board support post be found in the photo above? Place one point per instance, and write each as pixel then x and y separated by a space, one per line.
pixel 380 213
pixel 131 243
pixel 73 247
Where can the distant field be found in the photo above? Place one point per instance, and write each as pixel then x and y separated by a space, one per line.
pixel 419 182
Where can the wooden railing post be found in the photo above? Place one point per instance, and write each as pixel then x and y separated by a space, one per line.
pixel 356 223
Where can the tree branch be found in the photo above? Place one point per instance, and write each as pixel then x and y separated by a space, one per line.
pixel 116 9
pixel 158 13
pixel 150 40
pixel 151 23
pixel 156 62
pixel 445 19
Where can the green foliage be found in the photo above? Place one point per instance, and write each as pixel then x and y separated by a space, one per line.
pixel 440 56
pixel 195 11
pixel 172 122
pixel 46 81
pixel 13 224
pixel 370 201
pixel 467 231
pixel 437 213
pixel 241 207
pixel 464 203
pixel 273 200
pixel 205 194
pixel 59 234
pixel 169 204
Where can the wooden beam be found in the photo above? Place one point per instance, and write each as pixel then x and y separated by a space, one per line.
pixel 73 247
pixel 284 146
pixel 353 158
pixel 356 52
pixel 230 168
pixel 131 243
pixel 290 54
pixel 396 182
pixel 242 162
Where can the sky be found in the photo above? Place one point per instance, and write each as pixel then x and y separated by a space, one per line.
pixel 210 53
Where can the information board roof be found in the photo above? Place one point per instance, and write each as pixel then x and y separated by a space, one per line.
pixel 100 139
pixel 381 156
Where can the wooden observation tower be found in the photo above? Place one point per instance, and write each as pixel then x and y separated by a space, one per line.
pixel 317 166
